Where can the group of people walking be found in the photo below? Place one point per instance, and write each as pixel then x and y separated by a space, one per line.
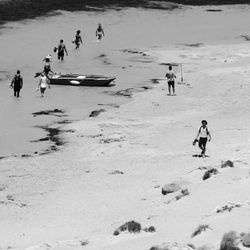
pixel 17 81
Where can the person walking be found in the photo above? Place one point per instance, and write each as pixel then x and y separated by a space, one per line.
pixel 47 67
pixel 99 32
pixel 17 83
pixel 202 137
pixel 78 39
pixel 43 83
pixel 61 48
pixel 170 78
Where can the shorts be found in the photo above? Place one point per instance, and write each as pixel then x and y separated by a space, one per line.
pixel 202 142
pixel 60 54
pixel 171 83
pixel 42 89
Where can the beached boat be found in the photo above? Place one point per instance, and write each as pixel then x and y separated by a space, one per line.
pixel 81 80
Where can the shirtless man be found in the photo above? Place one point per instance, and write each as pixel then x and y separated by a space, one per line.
pixel 99 32
pixel 60 50
pixel 170 78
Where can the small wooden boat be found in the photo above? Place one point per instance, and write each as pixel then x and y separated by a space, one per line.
pixel 81 80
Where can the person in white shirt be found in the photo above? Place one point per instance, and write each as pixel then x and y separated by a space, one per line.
pixel 170 78
pixel 43 84
pixel 202 137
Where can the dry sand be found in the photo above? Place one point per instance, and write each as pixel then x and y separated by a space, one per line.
pixel 73 199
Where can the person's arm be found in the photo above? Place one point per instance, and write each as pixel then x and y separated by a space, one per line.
pixel 12 82
pixel 21 82
pixel 209 135
pixel 198 134
pixel 80 39
pixel 39 83
pixel 66 50
pixel 103 32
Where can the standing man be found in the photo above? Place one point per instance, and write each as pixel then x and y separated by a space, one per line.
pixel 60 50
pixel 202 137
pixel 17 83
pixel 170 78
pixel 99 32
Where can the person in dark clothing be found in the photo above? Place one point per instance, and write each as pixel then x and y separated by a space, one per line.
pixel 17 83
pixel 78 39
pixel 60 50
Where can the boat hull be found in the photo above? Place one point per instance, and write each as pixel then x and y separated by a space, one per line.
pixel 81 80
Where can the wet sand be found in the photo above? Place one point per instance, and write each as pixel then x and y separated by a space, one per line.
pixel 115 164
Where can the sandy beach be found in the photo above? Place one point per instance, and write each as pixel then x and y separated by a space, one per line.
pixel 114 166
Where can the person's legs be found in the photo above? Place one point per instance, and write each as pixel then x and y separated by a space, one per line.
pixel 42 91
pixel 18 91
pixel 169 88
pixel 202 145
pixel 173 87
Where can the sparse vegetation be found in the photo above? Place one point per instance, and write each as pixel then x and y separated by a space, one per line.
pixel 201 228
pixel 184 192
pixel 229 241
pixel 209 173
pixel 227 207
pixel 150 229
pixel 225 164
pixel 131 227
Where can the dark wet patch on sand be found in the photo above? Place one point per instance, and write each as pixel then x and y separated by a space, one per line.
pixel 54 136
pixel 104 59
pixel 246 37
pixel 4 75
pixel 95 113
pixel 138 56
pixel 54 112
pixel 214 10
pixel 194 45
pixel 170 64
pixel 127 92
pixel 113 105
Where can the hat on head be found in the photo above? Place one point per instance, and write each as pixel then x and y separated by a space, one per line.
pixel 204 121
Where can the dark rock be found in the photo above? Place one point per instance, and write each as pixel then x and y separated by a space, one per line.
pixel 246 240
pixel 229 241
pixel 170 188
pixel 228 163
